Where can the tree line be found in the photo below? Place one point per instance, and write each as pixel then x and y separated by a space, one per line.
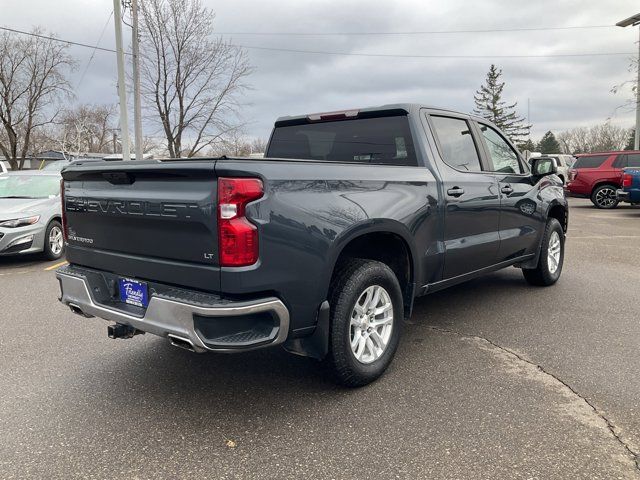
pixel 489 104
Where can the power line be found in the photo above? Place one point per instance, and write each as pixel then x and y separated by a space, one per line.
pixel 426 32
pixel 393 55
pixel 69 42
pixel 353 54
pixel 94 49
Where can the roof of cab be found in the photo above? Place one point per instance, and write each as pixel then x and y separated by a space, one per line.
pixel 406 107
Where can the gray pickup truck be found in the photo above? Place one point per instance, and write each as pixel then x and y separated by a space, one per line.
pixel 320 247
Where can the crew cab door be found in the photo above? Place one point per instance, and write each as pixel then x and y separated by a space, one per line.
pixel 471 201
pixel 521 218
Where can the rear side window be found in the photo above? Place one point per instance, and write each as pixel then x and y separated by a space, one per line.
pixel 620 161
pixel 458 148
pixel 633 160
pixel 380 140
pixel 593 161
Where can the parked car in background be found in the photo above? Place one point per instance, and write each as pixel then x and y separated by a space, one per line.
pixel 563 164
pixel 3 169
pixel 31 214
pixel 630 191
pixel 321 247
pixel 599 175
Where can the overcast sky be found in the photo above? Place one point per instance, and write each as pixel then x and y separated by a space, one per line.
pixel 563 92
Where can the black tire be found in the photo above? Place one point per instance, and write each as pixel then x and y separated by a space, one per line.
pixel 604 196
pixel 350 282
pixel 48 252
pixel 543 275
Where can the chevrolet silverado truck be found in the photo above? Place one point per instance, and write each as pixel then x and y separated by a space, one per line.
pixel 321 247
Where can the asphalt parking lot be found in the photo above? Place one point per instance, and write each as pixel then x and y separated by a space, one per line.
pixel 493 379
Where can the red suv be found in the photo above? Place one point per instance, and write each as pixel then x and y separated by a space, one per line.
pixel 599 175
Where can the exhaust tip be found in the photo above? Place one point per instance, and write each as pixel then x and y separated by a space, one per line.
pixel 78 311
pixel 181 342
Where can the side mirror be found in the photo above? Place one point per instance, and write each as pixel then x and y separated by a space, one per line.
pixel 543 166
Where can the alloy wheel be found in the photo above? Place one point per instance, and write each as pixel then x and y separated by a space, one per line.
pixel 553 252
pixel 606 197
pixel 371 324
pixel 55 240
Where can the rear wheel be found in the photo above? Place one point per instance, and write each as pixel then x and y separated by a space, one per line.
pixel 366 321
pixel 549 267
pixel 605 197
pixel 53 241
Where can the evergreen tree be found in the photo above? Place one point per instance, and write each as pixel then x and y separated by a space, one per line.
pixel 549 144
pixel 527 145
pixel 490 105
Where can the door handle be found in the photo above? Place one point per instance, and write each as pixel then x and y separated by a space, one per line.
pixel 507 189
pixel 455 192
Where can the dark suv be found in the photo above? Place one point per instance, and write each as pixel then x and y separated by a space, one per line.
pixel 598 176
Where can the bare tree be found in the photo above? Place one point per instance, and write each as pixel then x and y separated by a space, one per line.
pixel 630 86
pixel 190 81
pixel 598 138
pixel 236 144
pixel 32 78
pixel 258 145
pixel 86 128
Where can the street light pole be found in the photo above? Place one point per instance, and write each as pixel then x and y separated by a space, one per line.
pixel 633 21
pixel 122 92
pixel 135 43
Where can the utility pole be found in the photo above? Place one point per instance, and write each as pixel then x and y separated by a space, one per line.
pixel 633 21
pixel 636 142
pixel 122 91
pixel 137 115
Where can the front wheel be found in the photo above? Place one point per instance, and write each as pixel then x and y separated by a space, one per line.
pixel 605 197
pixel 549 267
pixel 366 321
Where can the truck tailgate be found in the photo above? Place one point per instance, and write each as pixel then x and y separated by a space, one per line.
pixel 148 220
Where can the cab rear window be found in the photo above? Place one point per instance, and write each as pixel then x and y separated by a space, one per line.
pixel 593 161
pixel 378 140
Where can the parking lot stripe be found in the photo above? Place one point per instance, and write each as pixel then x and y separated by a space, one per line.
pixel 56 265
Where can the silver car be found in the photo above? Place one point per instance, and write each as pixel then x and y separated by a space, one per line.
pixel 563 164
pixel 31 214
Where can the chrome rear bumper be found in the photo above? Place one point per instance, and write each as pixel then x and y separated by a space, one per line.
pixel 175 319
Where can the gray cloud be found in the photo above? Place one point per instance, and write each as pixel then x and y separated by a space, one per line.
pixel 564 92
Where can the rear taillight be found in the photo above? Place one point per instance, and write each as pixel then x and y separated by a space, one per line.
pixel 627 180
pixel 238 237
pixel 64 211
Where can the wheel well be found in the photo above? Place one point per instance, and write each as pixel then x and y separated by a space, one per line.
pixel 388 248
pixel 601 184
pixel 559 213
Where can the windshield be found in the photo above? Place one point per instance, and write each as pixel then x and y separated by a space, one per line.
pixel 29 186
pixel 382 140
